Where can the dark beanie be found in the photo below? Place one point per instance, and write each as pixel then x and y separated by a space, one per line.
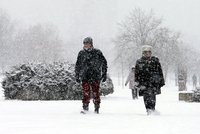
pixel 88 40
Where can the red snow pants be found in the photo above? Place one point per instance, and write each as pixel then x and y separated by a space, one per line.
pixel 87 88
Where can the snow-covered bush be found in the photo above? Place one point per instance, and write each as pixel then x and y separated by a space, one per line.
pixel 196 95
pixel 46 82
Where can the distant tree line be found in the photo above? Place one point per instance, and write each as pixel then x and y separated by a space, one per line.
pixel 40 42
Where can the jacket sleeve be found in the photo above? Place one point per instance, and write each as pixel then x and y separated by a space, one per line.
pixel 162 81
pixel 104 64
pixel 128 78
pixel 78 65
pixel 137 72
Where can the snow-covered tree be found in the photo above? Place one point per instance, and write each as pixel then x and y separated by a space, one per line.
pixel 142 28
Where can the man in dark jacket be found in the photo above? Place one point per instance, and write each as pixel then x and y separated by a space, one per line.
pixel 90 69
pixel 149 76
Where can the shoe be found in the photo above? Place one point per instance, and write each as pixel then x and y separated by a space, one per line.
pixel 96 108
pixel 135 98
pixel 85 106
pixel 148 111
pixel 152 112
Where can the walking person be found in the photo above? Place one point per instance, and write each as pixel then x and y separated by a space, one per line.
pixel 194 80
pixel 131 80
pixel 149 76
pixel 90 70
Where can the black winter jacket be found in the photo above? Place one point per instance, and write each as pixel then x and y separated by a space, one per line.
pixel 90 65
pixel 148 73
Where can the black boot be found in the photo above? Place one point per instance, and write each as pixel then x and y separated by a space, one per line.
pixel 96 108
pixel 85 106
pixel 134 94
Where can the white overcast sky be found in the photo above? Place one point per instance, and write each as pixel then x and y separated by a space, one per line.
pixel 76 19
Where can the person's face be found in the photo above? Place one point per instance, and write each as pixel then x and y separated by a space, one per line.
pixel 87 45
pixel 147 54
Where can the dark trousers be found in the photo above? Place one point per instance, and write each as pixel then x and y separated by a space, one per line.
pixel 87 87
pixel 134 93
pixel 149 100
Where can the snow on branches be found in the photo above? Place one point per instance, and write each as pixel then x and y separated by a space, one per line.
pixel 42 81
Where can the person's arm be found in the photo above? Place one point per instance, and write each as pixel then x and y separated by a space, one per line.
pixel 162 83
pixel 78 67
pixel 104 67
pixel 137 72
pixel 128 79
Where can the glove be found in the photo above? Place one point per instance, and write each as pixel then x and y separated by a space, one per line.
pixel 136 87
pixel 78 80
pixel 103 78
pixel 139 87
pixel 137 84
pixel 142 87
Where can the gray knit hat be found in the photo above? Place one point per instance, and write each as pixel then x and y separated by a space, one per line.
pixel 88 40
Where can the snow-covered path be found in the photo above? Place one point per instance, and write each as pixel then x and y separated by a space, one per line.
pixel 119 114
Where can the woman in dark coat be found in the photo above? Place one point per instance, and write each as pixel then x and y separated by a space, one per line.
pixel 149 76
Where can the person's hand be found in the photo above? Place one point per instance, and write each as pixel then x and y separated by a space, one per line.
pixel 103 78
pixel 78 80
pixel 137 84
pixel 136 87
pixel 142 87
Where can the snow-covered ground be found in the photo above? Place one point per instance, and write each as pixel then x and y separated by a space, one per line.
pixel 119 114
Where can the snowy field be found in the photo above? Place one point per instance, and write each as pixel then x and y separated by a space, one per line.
pixel 119 114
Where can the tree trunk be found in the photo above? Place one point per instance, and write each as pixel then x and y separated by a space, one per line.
pixel 122 74
pixel 118 79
